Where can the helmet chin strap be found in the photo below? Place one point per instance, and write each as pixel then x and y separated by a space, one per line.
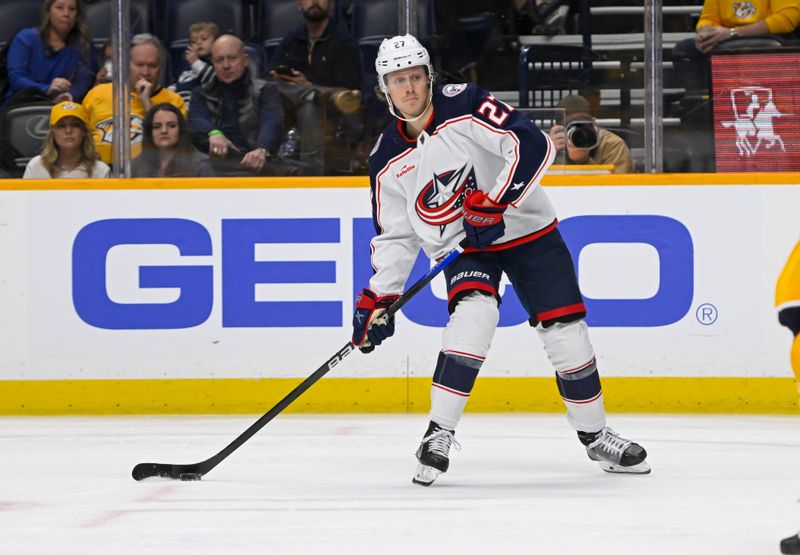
pixel 422 113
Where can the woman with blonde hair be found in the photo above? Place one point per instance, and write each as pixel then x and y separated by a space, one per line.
pixel 68 149
pixel 54 60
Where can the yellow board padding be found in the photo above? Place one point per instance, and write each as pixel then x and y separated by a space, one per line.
pixel 388 395
pixel 620 180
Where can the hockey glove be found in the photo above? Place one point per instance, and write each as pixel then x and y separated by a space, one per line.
pixel 483 223
pixel 370 326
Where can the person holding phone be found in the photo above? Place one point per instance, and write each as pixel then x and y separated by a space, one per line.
pixel 145 67
pixel 317 68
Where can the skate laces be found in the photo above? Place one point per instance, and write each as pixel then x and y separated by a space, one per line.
pixel 610 442
pixel 439 442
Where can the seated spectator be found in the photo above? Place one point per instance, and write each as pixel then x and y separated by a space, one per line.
pixel 105 73
pixel 317 67
pixel 166 149
pixel 145 65
pixel 236 117
pixel 585 141
pixel 68 150
pixel 724 20
pixel 197 69
pixel 54 61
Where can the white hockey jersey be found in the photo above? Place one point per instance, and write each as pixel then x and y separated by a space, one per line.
pixel 472 141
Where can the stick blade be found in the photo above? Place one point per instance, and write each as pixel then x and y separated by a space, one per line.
pixel 185 472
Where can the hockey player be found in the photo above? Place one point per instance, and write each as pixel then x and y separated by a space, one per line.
pixel 787 300
pixel 458 161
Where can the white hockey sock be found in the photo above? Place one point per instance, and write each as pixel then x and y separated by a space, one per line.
pixel 571 354
pixel 447 407
pixel 465 344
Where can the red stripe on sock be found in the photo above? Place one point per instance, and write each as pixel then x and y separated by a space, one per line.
pixel 453 391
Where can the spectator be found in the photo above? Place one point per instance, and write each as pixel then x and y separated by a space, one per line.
pixel 236 117
pixel 198 68
pixel 318 71
pixel 145 65
pixel 166 149
pixel 68 150
pixel 585 141
pixel 724 20
pixel 105 73
pixel 54 61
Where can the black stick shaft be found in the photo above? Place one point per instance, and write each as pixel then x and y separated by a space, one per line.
pixel 176 471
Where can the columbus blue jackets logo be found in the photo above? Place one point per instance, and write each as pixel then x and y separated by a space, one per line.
pixel 441 199
pixel 453 89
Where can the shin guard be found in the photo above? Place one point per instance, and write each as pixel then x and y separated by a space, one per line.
pixel 571 354
pixel 465 345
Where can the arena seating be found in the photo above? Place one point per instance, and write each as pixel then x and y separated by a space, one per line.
pixel 97 17
pixel 274 18
pixel 16 15
pixel 22 129
pixel 232 16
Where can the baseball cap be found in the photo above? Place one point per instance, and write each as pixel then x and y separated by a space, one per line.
pixel 65 109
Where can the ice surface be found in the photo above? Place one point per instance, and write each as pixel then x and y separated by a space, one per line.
pixel 342 484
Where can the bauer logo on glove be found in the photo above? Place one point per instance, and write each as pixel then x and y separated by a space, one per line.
pixel 483 220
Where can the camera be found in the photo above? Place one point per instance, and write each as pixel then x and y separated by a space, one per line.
pixel 582 133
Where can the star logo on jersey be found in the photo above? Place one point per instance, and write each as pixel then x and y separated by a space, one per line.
pixel 441 199
pixel 517 186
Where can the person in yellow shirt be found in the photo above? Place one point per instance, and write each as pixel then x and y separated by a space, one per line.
pixel 724 20
pixel 787 300
pixel 145 66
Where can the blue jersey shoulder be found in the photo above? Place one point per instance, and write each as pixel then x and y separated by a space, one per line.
pixel 391 143
pixel 455 100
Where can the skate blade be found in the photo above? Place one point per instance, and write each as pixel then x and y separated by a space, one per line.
pixel 425 475
pixel 641 468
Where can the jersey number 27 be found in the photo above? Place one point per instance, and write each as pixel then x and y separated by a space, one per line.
pixel 492 111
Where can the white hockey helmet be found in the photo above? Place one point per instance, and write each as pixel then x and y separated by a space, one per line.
pixel 400 52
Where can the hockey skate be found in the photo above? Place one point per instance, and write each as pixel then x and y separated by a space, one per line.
pixel 791 545
pixel 433 454
pixel 614 453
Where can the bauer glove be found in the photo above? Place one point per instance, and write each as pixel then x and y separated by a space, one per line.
pixel 370 326
pixel 483 223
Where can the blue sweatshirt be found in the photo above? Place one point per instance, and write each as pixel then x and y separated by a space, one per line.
pixel 32 65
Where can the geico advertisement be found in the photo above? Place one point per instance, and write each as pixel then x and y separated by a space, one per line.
pixel 249 283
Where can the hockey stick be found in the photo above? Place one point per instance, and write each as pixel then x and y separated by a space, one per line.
pixel 197 470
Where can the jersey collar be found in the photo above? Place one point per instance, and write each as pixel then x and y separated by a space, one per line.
pixel 429 126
